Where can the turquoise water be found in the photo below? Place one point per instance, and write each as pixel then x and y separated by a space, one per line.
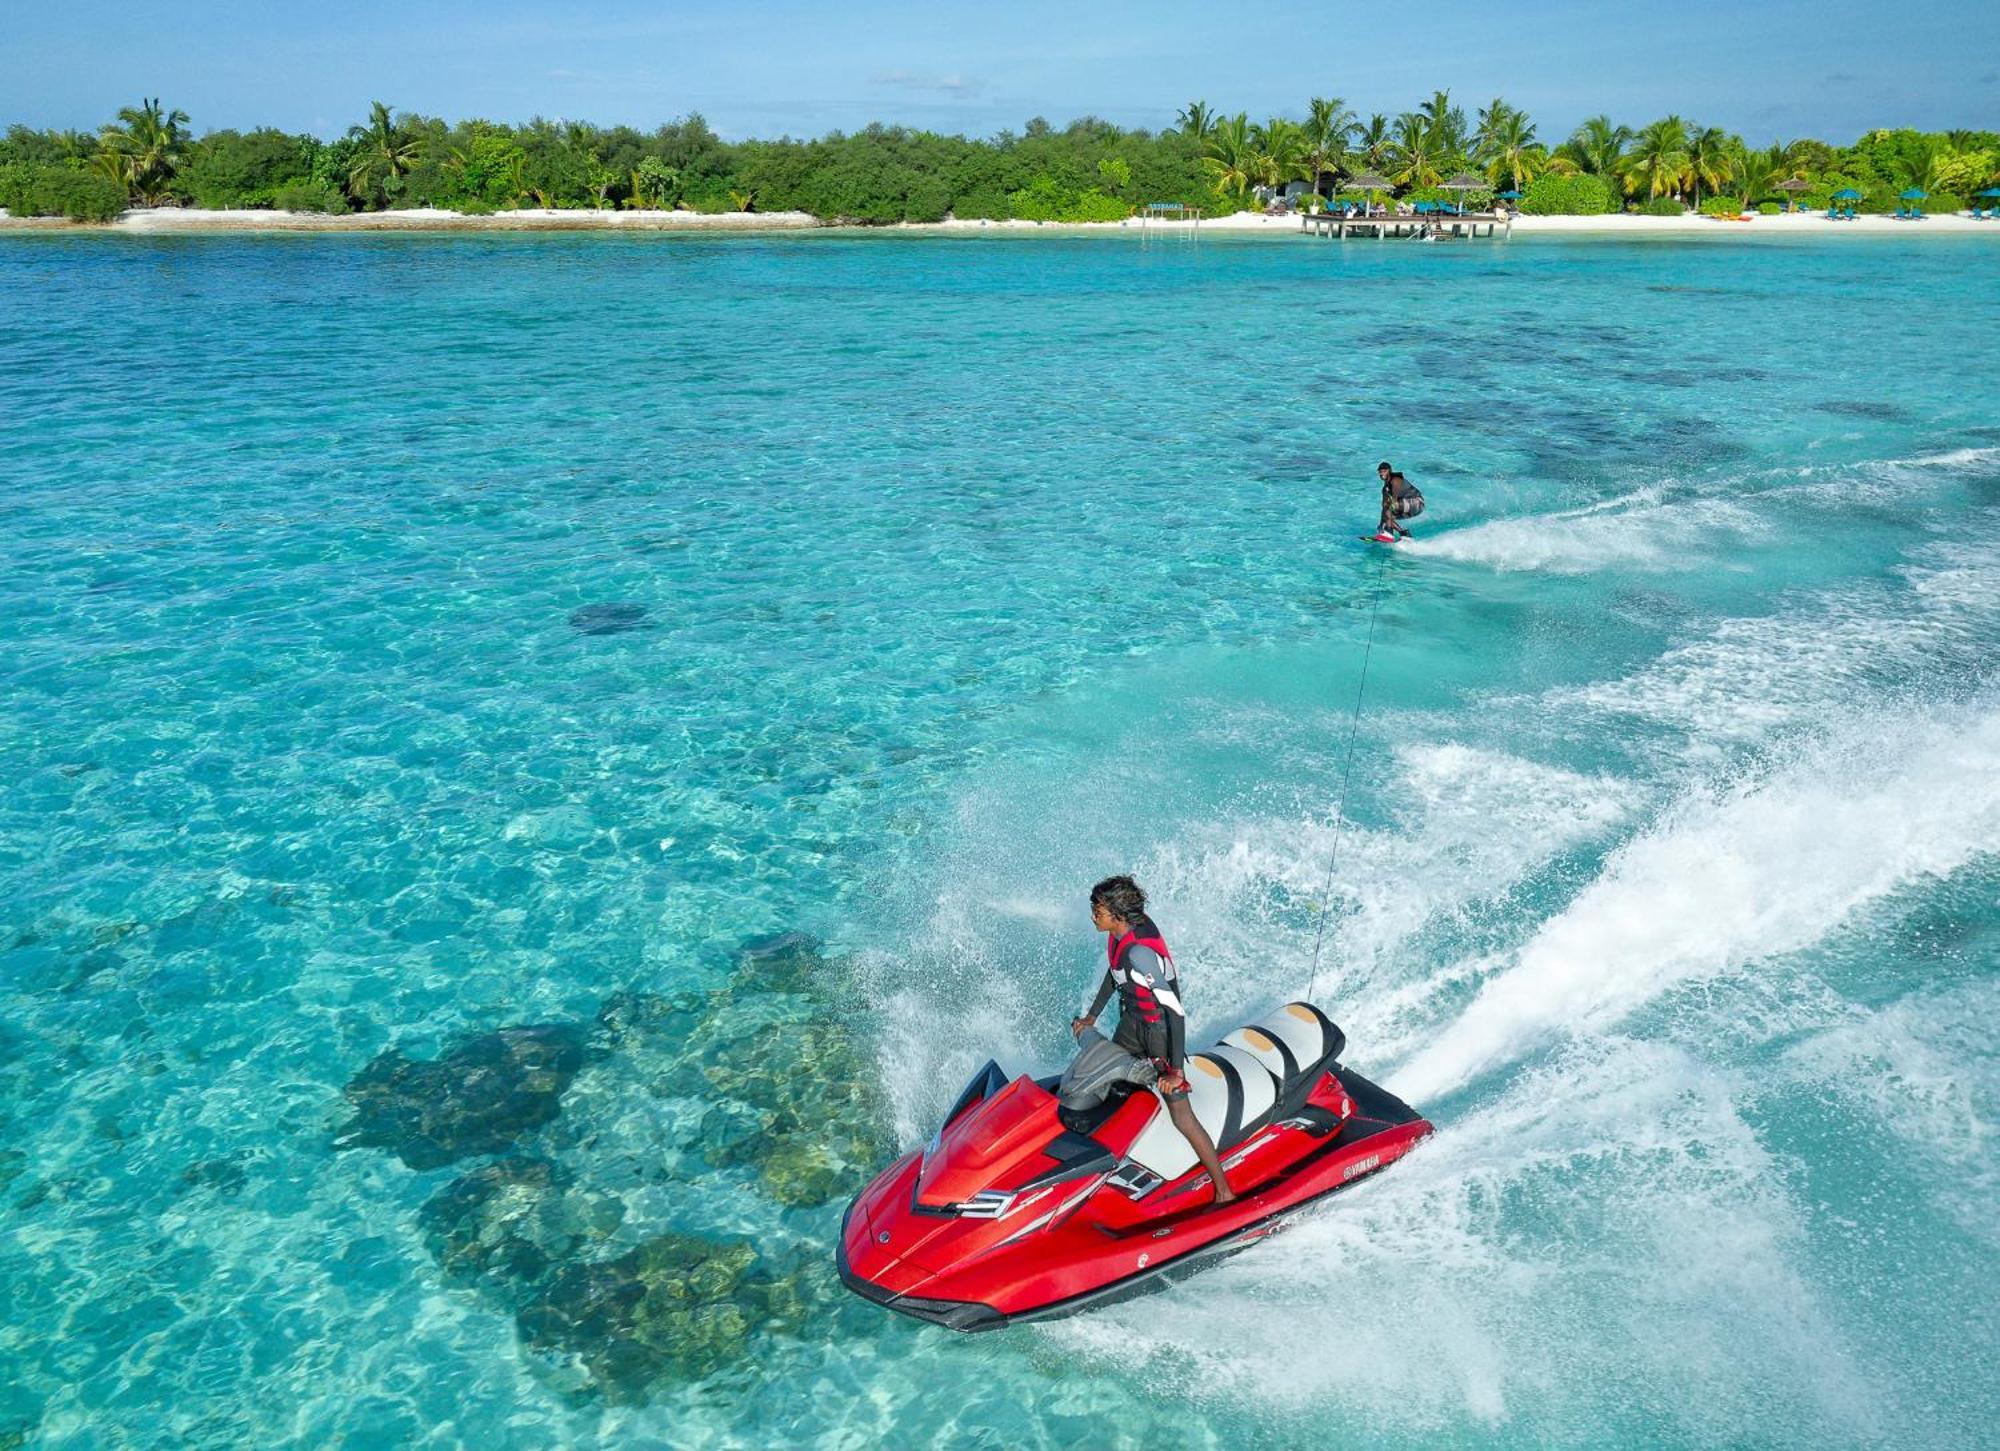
pixel 404 639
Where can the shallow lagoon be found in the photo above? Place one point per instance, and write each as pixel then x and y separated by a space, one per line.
pixel 740 652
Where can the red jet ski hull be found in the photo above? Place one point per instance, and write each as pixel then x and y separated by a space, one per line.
pixel 1101 1246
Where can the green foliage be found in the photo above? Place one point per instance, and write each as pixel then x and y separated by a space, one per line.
pixel 1769 209
pixel 1661 206
pixel 145 149
pixel 1961 171
pixel 19 181
pixel 1086 171
pixel 231 169
pixel 989 206
pixel 306 195
pixel 46 148
pixel 28 189
pixel 1659 161
pixel 1231 157
pixel 1047 200
pixel 386 152
pixel 1552 195
pixel 655 185
pixel 1722 206
pixel 83 197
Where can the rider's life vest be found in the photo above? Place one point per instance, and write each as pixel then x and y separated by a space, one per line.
pixel 1130 988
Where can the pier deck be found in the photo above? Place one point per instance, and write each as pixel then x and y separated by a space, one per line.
pixel 1458 228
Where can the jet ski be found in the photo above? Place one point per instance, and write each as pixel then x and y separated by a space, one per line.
pixel 1033 1201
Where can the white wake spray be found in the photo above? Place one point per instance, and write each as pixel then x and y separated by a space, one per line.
pixel 1728 879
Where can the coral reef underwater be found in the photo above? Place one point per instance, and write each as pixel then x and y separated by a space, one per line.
pixel 606 1148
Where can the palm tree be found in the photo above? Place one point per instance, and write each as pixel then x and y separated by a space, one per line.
pixel 76 147
pixel 1446 125
pixel 1196 120
pixel 1757 173
pixel 1372 141
pixel 1597 148
pixel 1412 159
pixel 110 165
pixel 1506 143
pixel 1659 158
pixel 148 145
pixel 389 152
pixel 1709 155
pixel 1329 126
pixel 1281 151
pixel 1230 156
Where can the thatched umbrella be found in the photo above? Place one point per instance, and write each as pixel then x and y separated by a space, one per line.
pixel 1464 182
pixel 1794 185
pixel 1370 181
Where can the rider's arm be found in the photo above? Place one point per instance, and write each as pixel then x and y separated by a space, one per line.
pixel 1104 991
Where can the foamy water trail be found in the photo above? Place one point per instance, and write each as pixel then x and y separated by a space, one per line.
pixel 1727 879
pixel 1656 537
pixel 1463 1267
pixel 1644 531
pixel 1753 674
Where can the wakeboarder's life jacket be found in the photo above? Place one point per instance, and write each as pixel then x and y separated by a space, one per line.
pixel 1405 501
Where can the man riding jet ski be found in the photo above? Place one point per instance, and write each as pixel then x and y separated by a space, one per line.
pixel 1039 1197
pixel 1152 1025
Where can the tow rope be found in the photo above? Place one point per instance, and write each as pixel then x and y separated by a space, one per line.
pixel 1347 774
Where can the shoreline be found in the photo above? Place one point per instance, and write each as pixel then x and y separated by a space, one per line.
pixel 176 221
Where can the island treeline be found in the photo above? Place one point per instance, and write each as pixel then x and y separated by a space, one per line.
pixel 1089 170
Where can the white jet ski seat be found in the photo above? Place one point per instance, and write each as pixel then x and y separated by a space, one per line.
pixel 1258 1073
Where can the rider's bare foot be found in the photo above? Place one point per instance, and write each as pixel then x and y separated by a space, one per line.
pixel 1222 1197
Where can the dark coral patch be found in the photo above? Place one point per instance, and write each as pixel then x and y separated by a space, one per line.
pixel 477 1099
pixel 610 619
pixel 512 1220
pixel 678 1307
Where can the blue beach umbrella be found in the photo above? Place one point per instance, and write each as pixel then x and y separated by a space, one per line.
pixel 1847 194
pixel 1514 196
pixel 1991 191
pixel 1914 194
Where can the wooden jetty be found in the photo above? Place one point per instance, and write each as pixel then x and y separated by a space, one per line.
pixel 1433 226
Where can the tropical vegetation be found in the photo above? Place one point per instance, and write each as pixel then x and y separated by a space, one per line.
pixel 1089 170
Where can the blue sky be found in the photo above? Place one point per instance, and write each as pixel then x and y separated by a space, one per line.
pixel 1827 68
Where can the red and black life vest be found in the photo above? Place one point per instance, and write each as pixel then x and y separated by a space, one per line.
pixel 1143 934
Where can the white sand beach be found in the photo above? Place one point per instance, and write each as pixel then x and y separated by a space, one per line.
pixel 163 220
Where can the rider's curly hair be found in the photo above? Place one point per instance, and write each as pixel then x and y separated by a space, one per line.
pixel 1121 897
